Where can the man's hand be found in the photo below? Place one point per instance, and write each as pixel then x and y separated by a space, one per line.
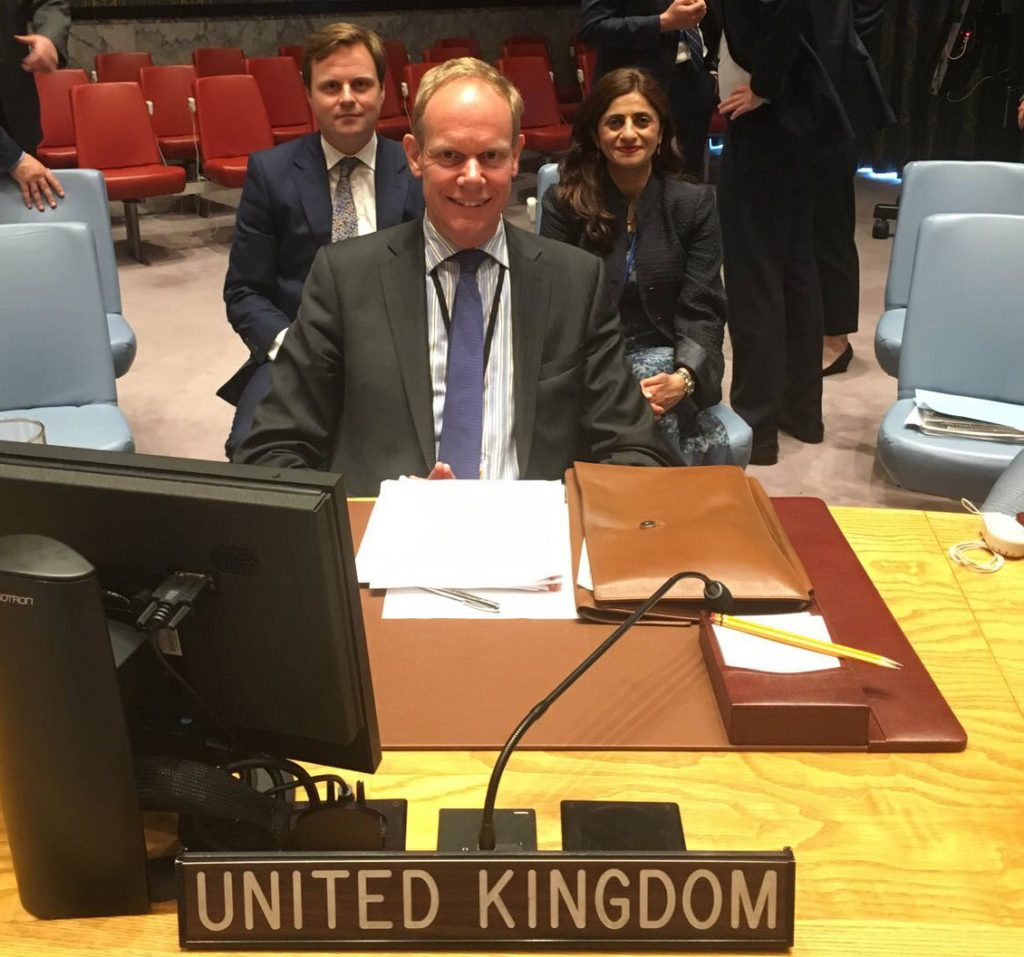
pixel 439 471
pixel 1020 114
pixel 36 182
pixel 682 14
pixel 663 391
pixel 42 54
pixel 741 100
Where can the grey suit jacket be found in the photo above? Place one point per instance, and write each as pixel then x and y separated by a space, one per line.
pixel 351 387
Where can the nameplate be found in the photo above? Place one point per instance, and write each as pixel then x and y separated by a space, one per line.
pixel 409 901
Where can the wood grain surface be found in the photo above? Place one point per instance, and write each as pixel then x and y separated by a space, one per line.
pixel 903 854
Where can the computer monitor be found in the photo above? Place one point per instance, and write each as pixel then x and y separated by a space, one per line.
pixel 276 646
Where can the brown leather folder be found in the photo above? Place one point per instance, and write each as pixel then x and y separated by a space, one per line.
pixel 643 525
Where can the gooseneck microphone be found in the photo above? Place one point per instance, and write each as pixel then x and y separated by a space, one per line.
pixel 716 598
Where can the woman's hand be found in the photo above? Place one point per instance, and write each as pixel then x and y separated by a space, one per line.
pixel 663 391
pixel 741 100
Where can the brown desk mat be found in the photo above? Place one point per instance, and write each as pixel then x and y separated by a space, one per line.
pixel 450 684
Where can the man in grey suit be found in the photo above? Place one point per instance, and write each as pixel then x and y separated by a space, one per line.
pixel 364 382
pixel 296 199
pixel 23 54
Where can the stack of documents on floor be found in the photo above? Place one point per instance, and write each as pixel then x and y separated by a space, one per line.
pixel 504 542
pixel 936 413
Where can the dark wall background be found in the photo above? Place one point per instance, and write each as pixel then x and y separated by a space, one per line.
pixel 972 118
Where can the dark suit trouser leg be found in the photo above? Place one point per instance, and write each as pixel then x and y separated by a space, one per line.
pixel 245 410
pixel 772 288
pixel 692 98
pixel 835 249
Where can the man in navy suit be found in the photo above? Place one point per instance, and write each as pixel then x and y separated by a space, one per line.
pixel 22 55
pixel 324 187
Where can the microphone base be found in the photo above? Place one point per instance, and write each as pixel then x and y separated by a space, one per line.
pixel 622 826
pixel 458 830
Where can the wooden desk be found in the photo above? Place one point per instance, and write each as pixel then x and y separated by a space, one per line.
pixel 908 854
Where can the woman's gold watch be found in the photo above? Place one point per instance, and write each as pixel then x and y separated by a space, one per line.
pixel 690 385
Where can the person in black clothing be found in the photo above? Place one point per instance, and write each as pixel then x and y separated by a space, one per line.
pixel 781 107
pixel 620 197
pixel 23 53
pixel 849 67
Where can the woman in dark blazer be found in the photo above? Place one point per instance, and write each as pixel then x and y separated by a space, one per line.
pixel 621 198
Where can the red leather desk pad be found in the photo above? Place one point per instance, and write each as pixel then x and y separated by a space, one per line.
pixel 455 684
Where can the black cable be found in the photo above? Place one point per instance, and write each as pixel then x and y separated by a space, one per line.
pixel 715 594
pixel 266 761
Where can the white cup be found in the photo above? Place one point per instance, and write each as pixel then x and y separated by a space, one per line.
pixel 531 208
pixel 22 430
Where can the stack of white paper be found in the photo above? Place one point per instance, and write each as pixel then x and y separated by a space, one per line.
pixel 507 541
pixel 937 413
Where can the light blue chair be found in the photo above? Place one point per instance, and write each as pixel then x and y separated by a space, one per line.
pixel 85 201
pixel 547 176
pixel 963 335
pixel 929 187
pixel 57 366
pixel 741 437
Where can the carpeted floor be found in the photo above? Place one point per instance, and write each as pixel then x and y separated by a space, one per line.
pixel 187 349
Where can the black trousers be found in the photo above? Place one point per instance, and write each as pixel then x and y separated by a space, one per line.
pixel 771 281
pixel 692 99
pixel 835 249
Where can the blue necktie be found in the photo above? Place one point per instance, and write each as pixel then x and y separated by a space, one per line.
pixel 462 424
pixel 694 42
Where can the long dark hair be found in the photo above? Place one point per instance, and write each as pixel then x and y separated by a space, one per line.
pixel 581 179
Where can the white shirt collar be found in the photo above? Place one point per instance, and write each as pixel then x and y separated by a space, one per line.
pixel 438 249
pixel 367 155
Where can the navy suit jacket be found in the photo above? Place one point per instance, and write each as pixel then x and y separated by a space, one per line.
pixel 19 105
pixel 284 217
pixel 10 151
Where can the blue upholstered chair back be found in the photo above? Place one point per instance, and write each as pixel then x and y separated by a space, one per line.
pixel 964 330
pixel 85 201
pixel 53 330
pixel 941 186
pixel 547 176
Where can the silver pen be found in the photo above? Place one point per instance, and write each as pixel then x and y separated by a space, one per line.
pixel 466 598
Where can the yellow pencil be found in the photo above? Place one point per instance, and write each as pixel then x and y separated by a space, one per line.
pixel 803 641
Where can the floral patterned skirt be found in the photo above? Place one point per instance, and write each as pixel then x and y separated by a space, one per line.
pixel 700 439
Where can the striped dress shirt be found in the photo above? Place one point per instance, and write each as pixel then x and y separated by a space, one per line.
pixel 498 449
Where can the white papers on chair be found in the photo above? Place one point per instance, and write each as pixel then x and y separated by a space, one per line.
pixel 452 534
pixel 740 650
pixel 936 413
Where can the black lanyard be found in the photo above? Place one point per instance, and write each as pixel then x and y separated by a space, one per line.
pixel 494 307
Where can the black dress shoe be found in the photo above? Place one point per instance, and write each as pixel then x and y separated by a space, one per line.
pixel 810 432
pixel 764 454
pixel 841 363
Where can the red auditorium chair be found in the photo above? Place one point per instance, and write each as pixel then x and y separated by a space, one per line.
pixel 57 148
pixel 233 123
pixel 295 50
pixel 586 65
pixel 440 54
pixel 469 43
pixel 527 38
pixel 120 67
pixel 568 98
pixel 393 122
pixel 114 136
pixel 397 56
pixel 412 75
pixel 284 96
pixel 542 125
pixel 218 61
pixel 168 89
